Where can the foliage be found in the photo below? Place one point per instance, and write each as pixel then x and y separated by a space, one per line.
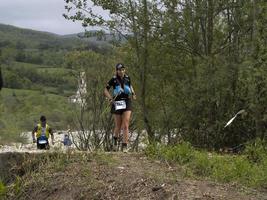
pixel 27 76
pixel 24 39
pixel 3 189
pixel 92 118
pixel 223 168
pixel 21 110
pixel 256 150
pixel 47 66
pixel 1 79
pixel 33 172
pixel 196 64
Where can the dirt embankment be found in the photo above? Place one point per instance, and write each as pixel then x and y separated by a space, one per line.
pixel 115 176
pixel 8 163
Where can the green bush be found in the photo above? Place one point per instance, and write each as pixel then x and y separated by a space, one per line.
pixel 229 169
pixel 181 153
pixel 152 151
pixel 256 151
pixel 2 189
pixel 201 164
pixel 223 168
pixel 21 109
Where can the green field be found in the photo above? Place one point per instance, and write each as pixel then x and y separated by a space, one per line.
pixel 30 65
pixel 21 109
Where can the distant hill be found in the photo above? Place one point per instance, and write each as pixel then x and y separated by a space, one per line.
pixel 97 36
pixel 32 39
pixel 37 78
pixel 23 52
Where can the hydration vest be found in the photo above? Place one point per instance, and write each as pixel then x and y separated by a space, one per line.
pixel 118 89
pixel 44 132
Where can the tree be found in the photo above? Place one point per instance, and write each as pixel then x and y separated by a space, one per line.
pixel 90 116
pixel 126 18
pixel 197 63
pixel 1 79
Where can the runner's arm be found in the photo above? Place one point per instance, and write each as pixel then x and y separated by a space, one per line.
pixel 106 90
pixel 107 94
pixel 134 94
pixel 52 135
pixel 33 134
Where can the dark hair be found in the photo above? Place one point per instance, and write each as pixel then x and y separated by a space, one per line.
pixel 119 66
pixel 42 118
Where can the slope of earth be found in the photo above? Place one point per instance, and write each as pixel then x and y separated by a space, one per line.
pixel 113 176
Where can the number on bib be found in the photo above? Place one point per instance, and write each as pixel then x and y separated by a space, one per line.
pixel 119 105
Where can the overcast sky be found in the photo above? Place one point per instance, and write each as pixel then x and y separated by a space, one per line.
pixel 43 15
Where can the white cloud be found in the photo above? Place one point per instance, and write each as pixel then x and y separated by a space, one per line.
pixel 43 15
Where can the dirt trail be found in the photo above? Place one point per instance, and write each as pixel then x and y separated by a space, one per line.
pixel 123 176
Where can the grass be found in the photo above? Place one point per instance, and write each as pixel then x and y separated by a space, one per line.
pixel 21 109
pixel 34 169
pixel 23 64
pixel 3 189
pixel 48 70
pixel 249 169
pixel 52 70
pixel 40 77
pixel 44 172
pixel 104 159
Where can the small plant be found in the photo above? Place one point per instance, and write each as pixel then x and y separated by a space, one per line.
pixel 182 153
pixel 17 185
pixel 256 151
pixel 201 165
pixel 249 169
pixel 153 151
pixel 3 189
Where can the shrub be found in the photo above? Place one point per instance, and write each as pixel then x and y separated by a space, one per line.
pixel 2 189
pixel 201 164
pixel 249 169
pixel 182 153
pixel 256 151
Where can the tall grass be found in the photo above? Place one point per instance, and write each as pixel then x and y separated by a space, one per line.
pixel 3 189
pixel 249 168
pixel 38 171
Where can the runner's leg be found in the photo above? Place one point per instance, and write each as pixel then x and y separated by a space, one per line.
pixel 125 125
pixel 117 128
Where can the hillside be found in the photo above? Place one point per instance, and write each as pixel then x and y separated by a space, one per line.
pixel 20 110
pixel 36 80
pixel 35 39
pixel 98 36
pixel 32 39
pixel 112 176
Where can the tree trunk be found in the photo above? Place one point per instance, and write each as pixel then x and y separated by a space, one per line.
pixel 144 75
pixel 1 79
pixel 210 27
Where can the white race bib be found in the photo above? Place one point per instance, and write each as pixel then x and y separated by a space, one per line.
pixel 119 105
pixel 42 142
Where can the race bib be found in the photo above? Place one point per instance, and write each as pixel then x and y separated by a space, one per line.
pixel 119 105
